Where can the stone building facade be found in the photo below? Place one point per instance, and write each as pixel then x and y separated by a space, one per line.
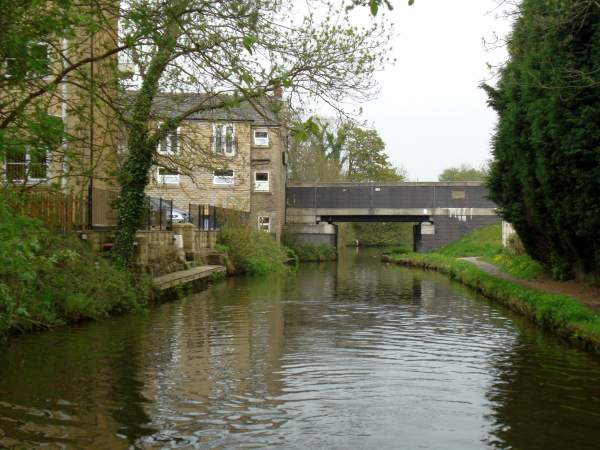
pixel 227 157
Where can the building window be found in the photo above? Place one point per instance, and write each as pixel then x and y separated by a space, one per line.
pixel 264 223
pixel 261 137
pixel 28 165
pixel 165 175
pixel 261 181
pixel 35 63
pixel 224 139
pixel 169 145
pixel 223 177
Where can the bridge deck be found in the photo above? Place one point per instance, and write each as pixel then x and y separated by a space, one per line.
pixel 387 198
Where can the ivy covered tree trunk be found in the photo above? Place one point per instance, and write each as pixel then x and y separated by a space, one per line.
pixel 133 177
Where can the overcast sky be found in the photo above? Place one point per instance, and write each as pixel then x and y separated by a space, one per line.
pixel 430 111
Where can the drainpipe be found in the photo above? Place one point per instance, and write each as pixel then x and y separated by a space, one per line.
pixel 63 112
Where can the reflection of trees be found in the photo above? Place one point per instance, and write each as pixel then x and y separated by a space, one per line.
pixel 545 395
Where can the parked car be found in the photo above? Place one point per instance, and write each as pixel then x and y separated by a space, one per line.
pixel 179 216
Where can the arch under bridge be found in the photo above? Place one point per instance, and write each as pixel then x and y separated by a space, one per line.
pixel 442 212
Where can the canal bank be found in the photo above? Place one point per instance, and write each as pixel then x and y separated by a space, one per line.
pixel 347 354
pixel 561 314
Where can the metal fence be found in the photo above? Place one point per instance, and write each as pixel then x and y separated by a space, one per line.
pixel 210 217
pixel 159 215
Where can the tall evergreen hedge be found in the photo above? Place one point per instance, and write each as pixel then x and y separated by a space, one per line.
pixel 545 175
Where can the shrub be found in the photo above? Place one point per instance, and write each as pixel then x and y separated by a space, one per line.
pixel 48 278
pixel 545 171
pixel 253 251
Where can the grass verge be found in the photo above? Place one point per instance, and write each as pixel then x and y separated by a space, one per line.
pixel 49 279
pixel 562 314
pixel 486 243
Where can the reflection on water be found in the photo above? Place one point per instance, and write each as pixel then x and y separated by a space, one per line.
pixel 352 354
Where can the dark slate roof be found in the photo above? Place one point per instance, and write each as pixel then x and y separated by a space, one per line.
pixel 258 111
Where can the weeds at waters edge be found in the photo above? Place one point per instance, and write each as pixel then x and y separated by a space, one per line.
pixel 314 253
pixel 252 251
pixel 561 314
pixel 49 279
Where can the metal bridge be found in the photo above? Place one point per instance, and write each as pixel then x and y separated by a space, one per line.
pixel 442 212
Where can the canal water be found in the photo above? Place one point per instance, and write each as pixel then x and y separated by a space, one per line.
pixel 348 355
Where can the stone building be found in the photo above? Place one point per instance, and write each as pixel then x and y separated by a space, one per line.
pixel 232 157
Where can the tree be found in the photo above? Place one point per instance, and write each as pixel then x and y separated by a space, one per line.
pixel 231 51
pixel 463 173
pixel 366 157
pixel 545 175
pixel 341 151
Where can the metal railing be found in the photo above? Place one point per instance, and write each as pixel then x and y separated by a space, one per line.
pixel 210 217
pixel 159 214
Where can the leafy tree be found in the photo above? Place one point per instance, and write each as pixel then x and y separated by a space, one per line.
pixel 366 157
pixel 343 151
pixel 545 175
pixel 231 51
pixel 463 173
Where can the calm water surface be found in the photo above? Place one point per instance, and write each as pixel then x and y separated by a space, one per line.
pixel 348 355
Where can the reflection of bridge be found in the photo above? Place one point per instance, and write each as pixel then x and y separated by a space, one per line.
pixel 443 211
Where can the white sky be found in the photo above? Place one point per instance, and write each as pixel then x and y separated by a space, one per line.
pixel 430 111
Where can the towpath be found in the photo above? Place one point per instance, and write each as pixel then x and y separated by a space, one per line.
pixel 585 293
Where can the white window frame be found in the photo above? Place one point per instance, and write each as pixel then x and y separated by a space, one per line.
pixel 27 167
pixel 167 148
pixel 262 223
pixel 27 162
pixel 171 179
pixel 261 142
pixel 223 127
pixel 261 185
pixel 227 180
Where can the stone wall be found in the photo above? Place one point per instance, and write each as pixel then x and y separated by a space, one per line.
pixel 272 203
pixel 160 252
pixel 197 161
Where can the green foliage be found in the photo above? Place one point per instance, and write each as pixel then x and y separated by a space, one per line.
pixel 384 234
pixel 49 279
pixel 252 251
pixel 400 250
pixel 562 314
pixel 545 175
pixel 323 151
pixel 485 242
pixel 314 253
pixel 463 173
pixel 521 266
pixel 366 157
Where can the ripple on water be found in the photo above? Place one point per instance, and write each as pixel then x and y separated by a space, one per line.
pixel 353 355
